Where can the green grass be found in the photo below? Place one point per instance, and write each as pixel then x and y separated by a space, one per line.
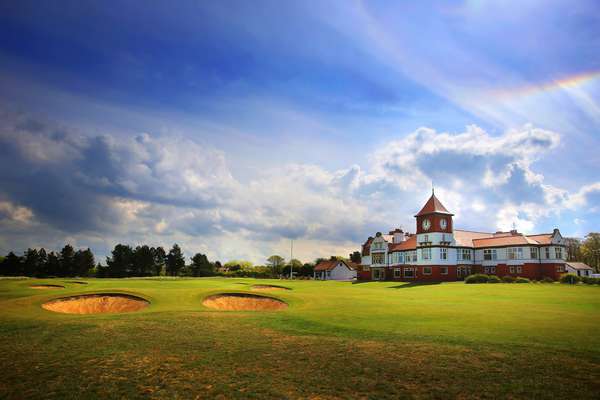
pixel 335 341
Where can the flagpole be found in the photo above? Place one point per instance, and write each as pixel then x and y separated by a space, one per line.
pixel 291 259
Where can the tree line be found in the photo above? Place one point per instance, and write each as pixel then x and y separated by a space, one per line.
pixel 586 250
pixel 143 261
pixel 124 261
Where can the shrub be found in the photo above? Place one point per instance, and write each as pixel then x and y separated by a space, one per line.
pixel 494 279
pixel 508 279
pixel 570 278
pixel 590 281
pixel 547 280
pixel 520 279
pixel 476 278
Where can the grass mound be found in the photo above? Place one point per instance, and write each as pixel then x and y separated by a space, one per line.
pixel 243 302
pixel 44 287
pixel 78 282
pixel 96 304
pixel 269 287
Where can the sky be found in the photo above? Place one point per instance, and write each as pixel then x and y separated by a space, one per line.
pixel 234 127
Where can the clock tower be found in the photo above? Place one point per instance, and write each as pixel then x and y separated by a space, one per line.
pixel 435 221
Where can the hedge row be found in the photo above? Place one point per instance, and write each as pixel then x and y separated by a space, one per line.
pixel 567 278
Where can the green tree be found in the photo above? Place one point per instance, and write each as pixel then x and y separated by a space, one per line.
pixel 31 262
pixel 175 261
pixel 43 266
pixel 296 265
pixel 201 266
pixel 276 263
pixel 573 249
pixel 143 261
pixel 67 261
pixel 160 257
pixel 355 257
pixel 307 269
pixel 53 264
pixel 590 250
pixel 11 266
pixel 120 264
pixel 84 262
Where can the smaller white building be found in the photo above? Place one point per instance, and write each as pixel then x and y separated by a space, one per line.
pixel 579 268
pixel 335 270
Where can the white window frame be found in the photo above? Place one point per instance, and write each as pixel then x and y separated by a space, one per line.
pixel 426 253
pixel 412 273
pixel 377 255
pixel 558 253
pixel 547 253
pixel 492 253
pixel 443 253
pixel 425 269
pixel 534 253
pixel 397 273
pixel 444 270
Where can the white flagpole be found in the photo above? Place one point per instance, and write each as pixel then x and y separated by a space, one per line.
pixel 291 259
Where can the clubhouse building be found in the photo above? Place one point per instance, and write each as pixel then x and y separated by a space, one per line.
pixel 438 252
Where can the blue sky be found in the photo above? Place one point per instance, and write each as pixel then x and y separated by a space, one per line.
pixel 230 127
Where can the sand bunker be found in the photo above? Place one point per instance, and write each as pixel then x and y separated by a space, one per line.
pixel 268 287
pixel 96 304
pixel 46 287
pixel 243 302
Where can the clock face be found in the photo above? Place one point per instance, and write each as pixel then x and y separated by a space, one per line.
pixel 443 223
pixel 426 224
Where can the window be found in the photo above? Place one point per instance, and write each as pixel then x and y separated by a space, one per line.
pixel 534 252
pixel 409 273
pixel 490 270
pixel 426 254
pixel 547 252
pixel 512 269
pixel 519 269
pixel 515 253
pixel 414 256
pixel 558 252
pixel 401 258
pixel 397 273
pixel 444 270
pixel 426 238
pixel 560 268
pixel 426 270
pixel 464 254
pixel 443 253
pixel 490 254
pixel 376 274
pixel 377 258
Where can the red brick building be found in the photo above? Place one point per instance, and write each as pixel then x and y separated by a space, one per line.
pixel 438 252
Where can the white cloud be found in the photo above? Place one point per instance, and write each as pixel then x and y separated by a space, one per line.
pixel 165 189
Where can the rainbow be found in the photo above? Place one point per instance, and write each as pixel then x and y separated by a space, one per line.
pixel 570 82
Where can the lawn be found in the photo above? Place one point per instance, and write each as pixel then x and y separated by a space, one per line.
pixel 335 341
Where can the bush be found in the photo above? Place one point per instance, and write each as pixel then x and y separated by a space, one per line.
pixel 590 281
pixel 477 278
pixel 494 279
pixel 570 278
pixel 508 279
pixel 520 279
pixel 547 280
